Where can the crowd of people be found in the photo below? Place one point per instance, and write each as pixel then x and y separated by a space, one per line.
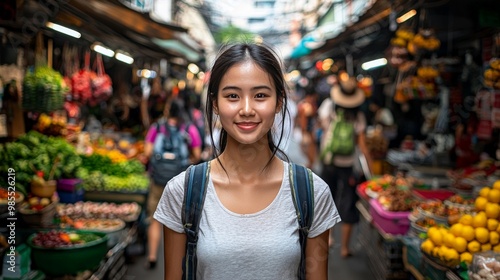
pixel 244 133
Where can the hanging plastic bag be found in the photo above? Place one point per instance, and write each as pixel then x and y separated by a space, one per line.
pixel 102 86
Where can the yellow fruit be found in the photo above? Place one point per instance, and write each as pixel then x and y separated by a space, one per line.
pixel 468 233
pixel 435 251
pixel 452 256
pixel 494 196
pixel 474 246
pixel 480 203
pixel 437 238
pixel 492 224
pixel 492 210
pixel 443 231
pixel 484 192
pixel 456 229
pixel 431 231
pixel 494 238
pixel 496 185
pixel 496 248
pixel 479 220
pixel 466 257
pixel 449 239
pixel 485 247
pixel 482 234
pixel 443 251
pixel 466 220
pixel 427 246
pixel 460 244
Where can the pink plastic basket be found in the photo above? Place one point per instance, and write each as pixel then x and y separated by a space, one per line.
pixel 388 221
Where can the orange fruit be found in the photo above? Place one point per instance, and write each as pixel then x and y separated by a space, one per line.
pixel 494 238
pixel 492 210
pixel 492 224
pixel 460 244
pixel 466 257
pixel 449 239
pixel 468 233
pixel 456 229
pixel 480 203
pixel 466 220
pixel 496 185
pixel 484 192
pixel 482 234
pixel 479 220
pixel 474 246
pixel 485 247
pixel 494 196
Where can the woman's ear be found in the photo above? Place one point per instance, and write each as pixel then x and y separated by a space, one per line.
pixel 279 103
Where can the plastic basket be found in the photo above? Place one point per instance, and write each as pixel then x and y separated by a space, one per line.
pixel 71 197
pixel 388 221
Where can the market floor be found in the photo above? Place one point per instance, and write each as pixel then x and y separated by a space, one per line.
pixel 353 268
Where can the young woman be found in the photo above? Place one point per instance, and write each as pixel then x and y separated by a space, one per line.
pixel 248 227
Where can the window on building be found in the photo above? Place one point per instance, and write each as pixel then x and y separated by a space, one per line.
pixel 264 4
pixel 256 20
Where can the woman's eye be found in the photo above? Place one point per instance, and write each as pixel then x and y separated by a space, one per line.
pixel 232 96
pixel 260 95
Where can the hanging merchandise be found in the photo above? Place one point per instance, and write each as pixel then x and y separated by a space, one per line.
pixel 81 82
pixel 43 90
pixel 101 83
pixel 420 86
pixel 492 74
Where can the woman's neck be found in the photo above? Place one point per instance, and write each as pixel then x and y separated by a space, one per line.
pixel 244 159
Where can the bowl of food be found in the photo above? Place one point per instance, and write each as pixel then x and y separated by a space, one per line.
pixel 67 252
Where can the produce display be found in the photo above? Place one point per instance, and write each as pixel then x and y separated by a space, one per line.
pixel 104 210
pixel 485 266
pixel 35 152
pixel 396 200
pixel 59 238
pixel 471 234
pixel 492 74
pixel 94 224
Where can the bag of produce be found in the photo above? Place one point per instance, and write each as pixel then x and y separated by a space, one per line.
pixel 101 83
pixel 485 265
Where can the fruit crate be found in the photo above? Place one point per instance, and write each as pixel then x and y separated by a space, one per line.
pixel 432 270
pixel 385 256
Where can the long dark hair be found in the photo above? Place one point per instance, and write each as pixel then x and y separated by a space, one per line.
pixel 267 60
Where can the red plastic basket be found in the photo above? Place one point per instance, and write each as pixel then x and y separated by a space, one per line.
pixel 388 221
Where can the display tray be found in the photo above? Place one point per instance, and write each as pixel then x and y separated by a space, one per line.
pixel 388 221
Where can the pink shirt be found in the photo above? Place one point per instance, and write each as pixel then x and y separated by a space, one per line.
pixel 192 131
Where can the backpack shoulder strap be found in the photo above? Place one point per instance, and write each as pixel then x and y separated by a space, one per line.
pixel 195 189
pixel 302 188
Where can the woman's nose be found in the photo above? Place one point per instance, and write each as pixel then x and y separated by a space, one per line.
pixel 247 107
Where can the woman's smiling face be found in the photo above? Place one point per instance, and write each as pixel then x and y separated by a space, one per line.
pixel 246 103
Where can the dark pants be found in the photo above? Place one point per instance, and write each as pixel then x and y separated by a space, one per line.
pixel 342 182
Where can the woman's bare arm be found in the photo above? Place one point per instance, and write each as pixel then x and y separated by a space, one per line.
pixel 317 257
pixel 174 251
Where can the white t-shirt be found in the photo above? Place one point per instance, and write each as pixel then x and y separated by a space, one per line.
pixel 262 245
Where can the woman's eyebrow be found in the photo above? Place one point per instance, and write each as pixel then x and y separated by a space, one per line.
pixel 253 88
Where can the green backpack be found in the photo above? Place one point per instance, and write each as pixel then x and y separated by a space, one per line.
pixel 340 139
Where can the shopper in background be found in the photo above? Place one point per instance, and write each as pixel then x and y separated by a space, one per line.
pixel 307 110
pixel 249 227
pixel 339 172
pixel 174 120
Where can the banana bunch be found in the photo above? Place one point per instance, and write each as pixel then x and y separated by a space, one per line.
pixel 403 36
pixel 427 73
pixel 429 43
pixel 492 74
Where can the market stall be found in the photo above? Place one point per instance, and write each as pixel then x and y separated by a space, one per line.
pixel 451 232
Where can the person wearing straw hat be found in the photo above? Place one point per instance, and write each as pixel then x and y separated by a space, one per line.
pixel 339 171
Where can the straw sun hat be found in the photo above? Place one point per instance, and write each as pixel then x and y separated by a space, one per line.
pixel 347 94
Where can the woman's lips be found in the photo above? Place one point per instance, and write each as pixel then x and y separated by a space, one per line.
pixel 247 125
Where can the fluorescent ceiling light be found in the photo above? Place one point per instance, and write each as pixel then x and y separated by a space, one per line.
pixel 374 63
pixel 63 29
pixel 406 16
pixel 124 57
pixel 103 50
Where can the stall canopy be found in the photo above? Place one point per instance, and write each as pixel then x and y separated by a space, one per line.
pixel 114 25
